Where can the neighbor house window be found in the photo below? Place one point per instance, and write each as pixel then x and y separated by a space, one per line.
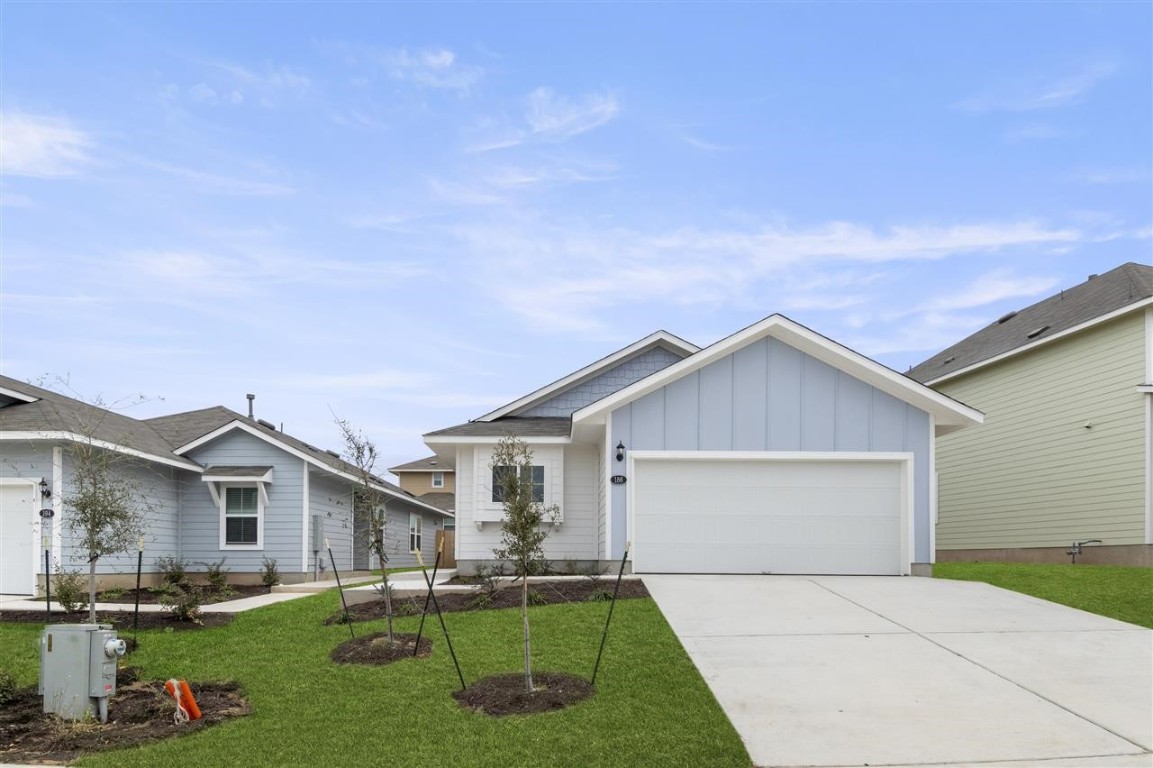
pixel 415 524
pixel 534 475
pixel 437 479
pixel 242 516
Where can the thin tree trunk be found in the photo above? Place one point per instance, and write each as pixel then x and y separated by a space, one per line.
pixel 91 590
pixel 524 617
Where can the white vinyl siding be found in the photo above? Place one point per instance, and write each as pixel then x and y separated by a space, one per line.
pixel 1061 455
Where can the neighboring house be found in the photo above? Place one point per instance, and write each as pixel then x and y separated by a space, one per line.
pixel 1066 450
pixel 775 450
pixel 430 479
pixel 218 484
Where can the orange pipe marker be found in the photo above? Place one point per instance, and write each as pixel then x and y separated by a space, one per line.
pixel 185 701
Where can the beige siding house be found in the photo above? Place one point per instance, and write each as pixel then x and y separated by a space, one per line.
pixel 1065 452
pixel 430 478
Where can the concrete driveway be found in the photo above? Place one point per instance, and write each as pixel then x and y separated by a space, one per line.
pixel 860 670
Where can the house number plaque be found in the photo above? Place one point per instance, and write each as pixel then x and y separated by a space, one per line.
pixel 619 479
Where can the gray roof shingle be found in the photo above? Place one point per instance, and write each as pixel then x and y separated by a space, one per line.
pixel 428 464
pixel 544 426
pixel 1118 288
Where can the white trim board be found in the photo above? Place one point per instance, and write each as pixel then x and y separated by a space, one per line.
pixel 73 437
pixel 16 395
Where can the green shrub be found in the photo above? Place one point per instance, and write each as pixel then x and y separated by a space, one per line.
pixel 217 576
pixel 183 601
pixel 537 598
pixel 174 569
pixel 69 589
pixel 114 593
pixel 7 686
pixel 269 573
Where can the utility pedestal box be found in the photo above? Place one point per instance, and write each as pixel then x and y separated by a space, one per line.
pixel 78 669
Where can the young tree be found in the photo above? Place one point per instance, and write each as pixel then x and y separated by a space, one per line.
pixel 360 452
pixel 522 531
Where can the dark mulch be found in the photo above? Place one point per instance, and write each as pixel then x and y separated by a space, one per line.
pixel 505 694
pixel 208 596
pixel 541 593
pixel 120 620
pixel 140 713
pixel 375 649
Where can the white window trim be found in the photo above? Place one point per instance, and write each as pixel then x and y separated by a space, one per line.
pixel 415 528
pixel 485 510
pixel 261 502
pixel 437 476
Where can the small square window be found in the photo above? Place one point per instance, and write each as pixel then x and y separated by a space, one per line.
pixel 534 474
pixel 437 479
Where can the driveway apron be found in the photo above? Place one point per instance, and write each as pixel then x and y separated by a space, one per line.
pixel 860 670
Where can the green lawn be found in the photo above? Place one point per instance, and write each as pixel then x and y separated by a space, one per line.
pixel 1124 593
pixel 651 708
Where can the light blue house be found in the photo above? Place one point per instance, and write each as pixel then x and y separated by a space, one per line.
pixel 775 450
pixel 217 484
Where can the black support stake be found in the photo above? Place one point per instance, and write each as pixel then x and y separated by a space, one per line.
pixel 339 589
pixel 612 605
pixel 139 568
pixel 47 588
pixel 427 600
pixel 436 606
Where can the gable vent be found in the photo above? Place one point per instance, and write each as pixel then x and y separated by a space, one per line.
pixel 1038 332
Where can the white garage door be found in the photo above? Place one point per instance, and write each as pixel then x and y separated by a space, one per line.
pixel 17 550
pixel 768 516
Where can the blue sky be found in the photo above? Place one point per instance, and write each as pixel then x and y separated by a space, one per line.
pixel 409 214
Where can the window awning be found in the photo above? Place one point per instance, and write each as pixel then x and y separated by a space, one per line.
pixel 256 475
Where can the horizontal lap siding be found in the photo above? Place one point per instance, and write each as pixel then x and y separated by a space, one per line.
pixel 282 517
pixel 769 396
pixel 332 500
pixel 1032 475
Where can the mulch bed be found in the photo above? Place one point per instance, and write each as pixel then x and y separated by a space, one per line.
pixel 140 713
pixel 207 595
pixel 375 649
pixel 505 694
pixel 546 593
pixel 120 620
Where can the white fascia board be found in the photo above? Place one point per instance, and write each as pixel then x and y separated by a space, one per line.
pixel 589 371
pixel 15 395
pixel 178 462
pixel 263 478
pixel 432 442
pixel 1043 341
pixel 948 412
pixel 311 460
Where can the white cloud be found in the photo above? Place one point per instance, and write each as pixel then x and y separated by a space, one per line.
pixel 995 286
pixel 432 68
pixel 1112 175
pixel 42 147
pixel 555 118
pixel 225 185
pixel 701 144
pixel 385 379
pixel 1046 94
pixel 1033 132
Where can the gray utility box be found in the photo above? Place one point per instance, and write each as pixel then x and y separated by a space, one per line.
pixel 78 669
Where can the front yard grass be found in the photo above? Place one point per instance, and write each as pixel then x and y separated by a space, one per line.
pixel 651 708
pixel 1119 592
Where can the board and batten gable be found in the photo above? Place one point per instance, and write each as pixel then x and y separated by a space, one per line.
pixel 768 396
pixel 606 383
pixel 1062 455
pixel 572 478
pixel 282 517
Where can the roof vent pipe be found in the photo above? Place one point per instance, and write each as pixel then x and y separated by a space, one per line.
pixel 1092 276
pixel 250 399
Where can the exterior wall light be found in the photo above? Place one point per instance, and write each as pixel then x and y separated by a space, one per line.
pixel 620 451
pixel 44 490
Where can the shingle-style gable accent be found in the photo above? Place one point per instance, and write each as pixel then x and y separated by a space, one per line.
pixel 606 383
pixel 1126 286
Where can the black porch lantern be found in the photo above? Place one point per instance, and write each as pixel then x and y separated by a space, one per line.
pixel 620 451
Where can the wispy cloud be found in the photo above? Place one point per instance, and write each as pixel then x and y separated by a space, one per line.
pixel 382 379
pixel 701 144
pixel 550 118
pixel 1112 175
pixel 1040 94
pixel 1033 132
pixel 569 278
pixel 41 146
pixel 225 185
pixel 995 286
pixel 432 68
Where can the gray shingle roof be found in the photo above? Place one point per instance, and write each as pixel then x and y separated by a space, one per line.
pixel 428 464
pixel 550 426
pixel 440 499
pixel 1120 287
pixel 54 412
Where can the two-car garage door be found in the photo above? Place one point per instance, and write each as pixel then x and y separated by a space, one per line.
pixel 751 515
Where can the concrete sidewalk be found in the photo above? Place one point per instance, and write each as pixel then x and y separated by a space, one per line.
pixel 840 671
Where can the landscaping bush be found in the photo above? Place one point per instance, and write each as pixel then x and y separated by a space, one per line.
pixel 183 601
pixel 69 590
pixel 174 570
pixel 7 686
pixel 217 576
pixel 269 573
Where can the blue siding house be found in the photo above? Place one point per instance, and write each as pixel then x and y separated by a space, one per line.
pixel 217 485
pixel 775 450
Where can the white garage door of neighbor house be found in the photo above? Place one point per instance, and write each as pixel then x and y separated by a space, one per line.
pixel 768 516
pixel 17 547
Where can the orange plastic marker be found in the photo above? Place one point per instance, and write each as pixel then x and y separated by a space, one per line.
pixel 186 707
